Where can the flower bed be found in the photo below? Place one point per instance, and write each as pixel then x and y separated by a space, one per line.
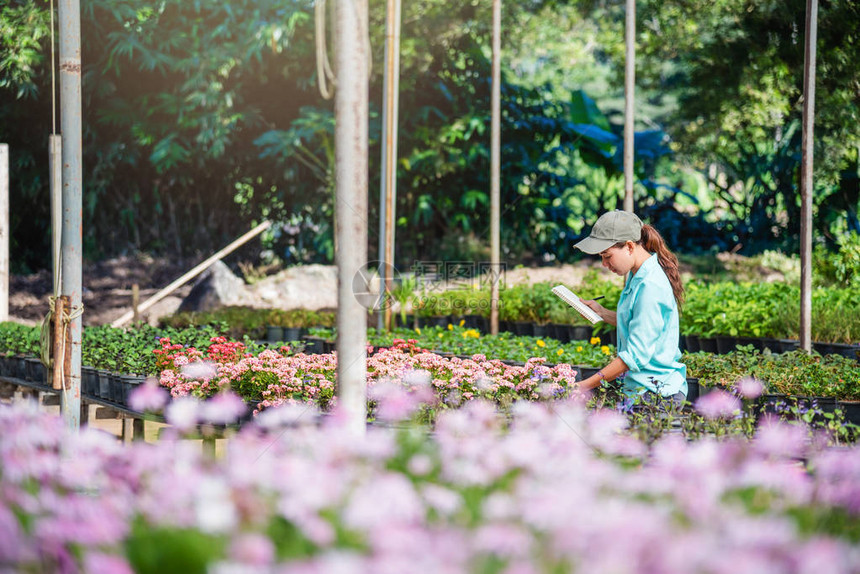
pixel 554 489
pixel 274 378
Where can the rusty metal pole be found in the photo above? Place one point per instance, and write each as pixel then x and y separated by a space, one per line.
pixel 72 238
pixel 388 181
pixel 806 182
pixel 351 114
pixel 495 168
pixel 629 93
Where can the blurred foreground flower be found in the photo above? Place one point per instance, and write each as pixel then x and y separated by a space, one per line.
pixel 148 397
pixel 718 404
pixel 749 388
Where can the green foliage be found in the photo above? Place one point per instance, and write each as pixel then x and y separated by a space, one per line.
pixel 795 373
pixel 237 322
pixel 737 70
pixel 769 310
pixel 842 267
pixel 165 550
pixel 203 117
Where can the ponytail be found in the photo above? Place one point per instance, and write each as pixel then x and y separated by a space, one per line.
pixel 653 242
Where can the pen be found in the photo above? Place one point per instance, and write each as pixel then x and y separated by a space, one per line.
pixel 598 297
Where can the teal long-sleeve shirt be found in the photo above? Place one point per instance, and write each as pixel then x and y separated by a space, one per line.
pixel 648 333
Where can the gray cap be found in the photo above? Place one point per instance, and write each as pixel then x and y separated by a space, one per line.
pixel 612 227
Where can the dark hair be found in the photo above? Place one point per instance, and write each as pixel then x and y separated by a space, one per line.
pixel 653 242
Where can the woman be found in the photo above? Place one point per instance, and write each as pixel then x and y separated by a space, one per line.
pixel 647 315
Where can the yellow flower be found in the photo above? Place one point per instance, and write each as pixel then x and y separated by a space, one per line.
pixel 471 333
pixel 605 349
pixel 560 352
pixel 540 343
pixel 595 341
pixel 579 348
pixel 417 330
pixel 440 335
pixel 462 322
pixel 450 327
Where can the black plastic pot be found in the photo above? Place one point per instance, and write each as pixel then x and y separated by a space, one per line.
pixel 725 344
pixel 692 389
pixel 105 385
pixel 581 333
pixel 36 371
pixel 523 328
pixel 292 333
pixel 692 343
pixel 89 381
pixel 558 332
pixel 274 333
pixel 314 345
pixel 539 330
pixel 127 385
pixel 850 410
pixel 788 345
pixel 850 351
pixel 708 344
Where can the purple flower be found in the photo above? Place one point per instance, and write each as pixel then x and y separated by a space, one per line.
pixel 718 404
pixel 203 370
pixel 779 439
pixel 223 408
pixel 252 549
pixel 148 397
pixel 749 388
pixel 183 412
pixel 99 563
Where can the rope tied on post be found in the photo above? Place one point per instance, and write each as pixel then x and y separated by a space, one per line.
pixel 53 336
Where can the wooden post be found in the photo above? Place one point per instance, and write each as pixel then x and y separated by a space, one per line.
pixel 495 167
pixel 139 429
pixel 58 375
pixel 4 232
pixel 806 181
pixel 135 303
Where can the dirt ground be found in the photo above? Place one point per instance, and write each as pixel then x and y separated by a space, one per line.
pixel 107 290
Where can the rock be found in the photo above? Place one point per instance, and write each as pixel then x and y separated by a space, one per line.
pixel 216 287
pixel 311 287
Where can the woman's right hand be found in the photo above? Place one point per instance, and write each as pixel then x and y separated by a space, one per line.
pixel 605 314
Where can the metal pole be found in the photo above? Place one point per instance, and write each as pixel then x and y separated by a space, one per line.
pixel 629 92
pixel 495 166
pixel 4 232
pixel 55 165
pixel 388 181
pixel 806 183
pixel 351 113
pixel 72 236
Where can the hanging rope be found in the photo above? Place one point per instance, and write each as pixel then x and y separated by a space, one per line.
pixel 53 78
pixel 325 75
pixel 324 71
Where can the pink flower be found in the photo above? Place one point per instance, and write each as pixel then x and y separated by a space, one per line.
pixel 183 413
pixel 148 397
pixel 252 549
pixel 99 563
pixel 224 408
pixel 718 404
pixel 749 388
pixel 779 439
pixel 203 370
